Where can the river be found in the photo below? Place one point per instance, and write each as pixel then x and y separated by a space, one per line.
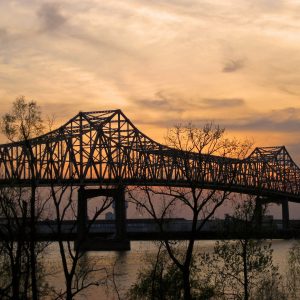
pixel 127 265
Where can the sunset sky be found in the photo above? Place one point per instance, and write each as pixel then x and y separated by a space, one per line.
pixel 162 62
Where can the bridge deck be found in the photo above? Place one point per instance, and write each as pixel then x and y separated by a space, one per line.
pixel 177 229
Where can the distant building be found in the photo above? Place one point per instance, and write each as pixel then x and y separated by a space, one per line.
pixel 109 216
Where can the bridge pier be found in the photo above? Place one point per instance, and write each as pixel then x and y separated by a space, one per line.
pixel 258 212
pixel 120 213
pixel 120 242
pixel 285 214
pixel 82 217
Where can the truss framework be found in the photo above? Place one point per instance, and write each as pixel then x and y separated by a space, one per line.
pixel 104 147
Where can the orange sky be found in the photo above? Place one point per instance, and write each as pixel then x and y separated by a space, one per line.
pixel 162 62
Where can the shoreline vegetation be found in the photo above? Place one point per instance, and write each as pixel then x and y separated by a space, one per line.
pixel 128 266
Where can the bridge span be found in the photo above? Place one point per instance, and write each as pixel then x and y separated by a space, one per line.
pixel 173 229
pixel 105 149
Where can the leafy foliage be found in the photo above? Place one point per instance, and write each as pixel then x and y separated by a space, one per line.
pixel 242 264
pixel 243 269
pixel 23 122
pixel 162 279
pixel 293 273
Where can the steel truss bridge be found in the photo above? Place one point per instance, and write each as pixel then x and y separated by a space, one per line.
pixel 105 148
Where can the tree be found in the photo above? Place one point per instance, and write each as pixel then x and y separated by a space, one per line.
pixel 271 288
pixel 293 272
pixel 243 269
pixel 22 123
pixel 80 273
pixel 161 279
pixel 14 249
pixel 194 144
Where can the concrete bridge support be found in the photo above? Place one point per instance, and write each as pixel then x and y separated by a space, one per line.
pixel 119 242
pixel 82 217
pixel 258 212
pixel 285 214
pixel 120 213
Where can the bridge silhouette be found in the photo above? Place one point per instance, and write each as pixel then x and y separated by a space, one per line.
pixel 104 148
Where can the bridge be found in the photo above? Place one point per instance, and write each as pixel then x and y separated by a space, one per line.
pixel 103 231
pixel 105 149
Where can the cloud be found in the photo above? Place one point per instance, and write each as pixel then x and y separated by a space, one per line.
pixel 222 103
pixel 153 103
pixel 294 150
pixel 233 66
pixel 9 48
pixel 267 124
pixel 51 17
pixel 161 103
pixel 3 34
pixel 166 110
pixel 281 120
